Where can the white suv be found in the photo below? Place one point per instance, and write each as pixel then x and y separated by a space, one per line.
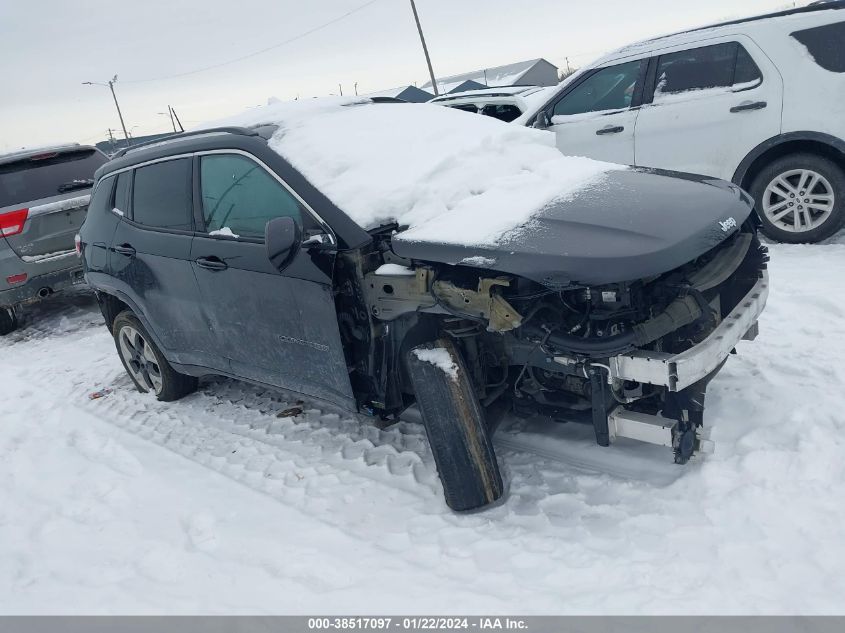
pixel 760 102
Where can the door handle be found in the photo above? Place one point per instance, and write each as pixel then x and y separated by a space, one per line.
pixel 125 249
pixel 749 105
pixel 610 129
pixel 212 263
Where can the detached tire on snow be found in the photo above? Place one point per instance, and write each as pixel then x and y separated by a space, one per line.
pixel 144 362
pixel 455 426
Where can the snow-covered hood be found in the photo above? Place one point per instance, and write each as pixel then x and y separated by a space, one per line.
pixel 439 173
pixel 632 224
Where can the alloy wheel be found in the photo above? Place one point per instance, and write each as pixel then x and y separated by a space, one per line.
pixel 798 200
pixel 140 359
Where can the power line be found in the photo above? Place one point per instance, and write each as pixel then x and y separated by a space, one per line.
pixel 259 52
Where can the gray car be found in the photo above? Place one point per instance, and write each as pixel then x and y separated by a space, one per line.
pixel 44 196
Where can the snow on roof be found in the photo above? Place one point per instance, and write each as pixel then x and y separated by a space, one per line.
pixel 447 176
pixel 507 75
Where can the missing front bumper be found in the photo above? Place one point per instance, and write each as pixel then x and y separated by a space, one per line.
pixel 678 371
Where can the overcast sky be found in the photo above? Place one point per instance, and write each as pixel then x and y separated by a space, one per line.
pixel 49 47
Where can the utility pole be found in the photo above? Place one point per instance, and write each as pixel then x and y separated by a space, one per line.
pixel 356 88
pixel 181 127
pixel 110 84
pixel 340 87
pixel 172 122
pixel 111 140
pixel 425 49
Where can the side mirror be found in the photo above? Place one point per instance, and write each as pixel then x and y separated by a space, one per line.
pixel 282 238
pixel 542 121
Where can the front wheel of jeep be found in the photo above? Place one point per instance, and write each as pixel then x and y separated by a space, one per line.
pixel 455 424
pixel 800 198
pixel 144 362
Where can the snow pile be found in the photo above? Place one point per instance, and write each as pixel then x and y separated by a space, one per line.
pixel 29 259
pixel 446 176
pixel 224 231
pixel 60 205
pixel 439 357
pixel 478 260
pixel 395 270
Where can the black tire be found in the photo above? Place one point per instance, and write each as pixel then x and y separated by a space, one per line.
pixel 8 321
pixel 832 176
pixel 456 429
pixel 145 364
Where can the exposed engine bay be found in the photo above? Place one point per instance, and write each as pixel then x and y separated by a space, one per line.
pixel 570 353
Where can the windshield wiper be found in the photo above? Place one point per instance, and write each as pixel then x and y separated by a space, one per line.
pixel 76 184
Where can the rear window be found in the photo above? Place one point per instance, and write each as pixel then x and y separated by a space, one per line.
pixel 717 66
pixel 161 195
pixel 826 44
pixel 47 175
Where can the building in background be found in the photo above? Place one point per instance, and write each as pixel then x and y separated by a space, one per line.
pixel 412 94
pixel 534 72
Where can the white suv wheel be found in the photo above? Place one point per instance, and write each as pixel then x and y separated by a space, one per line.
pixel 798 200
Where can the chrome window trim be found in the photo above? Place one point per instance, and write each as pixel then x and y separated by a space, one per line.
pixel 147 162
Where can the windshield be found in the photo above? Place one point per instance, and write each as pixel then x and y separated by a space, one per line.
pixel 47 175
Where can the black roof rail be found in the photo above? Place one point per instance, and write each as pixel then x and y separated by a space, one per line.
pixel 242 131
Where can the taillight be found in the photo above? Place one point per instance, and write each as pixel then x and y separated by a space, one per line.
pixel 11 223
pixel 16 279
pixel 77 244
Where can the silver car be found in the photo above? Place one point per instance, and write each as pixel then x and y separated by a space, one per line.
pixel 44 196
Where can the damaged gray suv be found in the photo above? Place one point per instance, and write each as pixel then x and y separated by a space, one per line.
pixel 266 253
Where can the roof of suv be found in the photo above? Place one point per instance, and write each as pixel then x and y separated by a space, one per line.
pixel 752 22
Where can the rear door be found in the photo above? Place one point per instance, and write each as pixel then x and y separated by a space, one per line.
pixel 276 328
pixel 150 259
pixel 596 116
pixel 49 195
pixel 707 106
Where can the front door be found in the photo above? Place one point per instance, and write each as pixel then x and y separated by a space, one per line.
pixel 707 107
pixel 278 328
pixel 596 118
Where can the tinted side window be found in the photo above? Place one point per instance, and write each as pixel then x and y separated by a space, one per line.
pixel 697 68
pixel 825 44
pixel 239 194
pixel 746 70
pixel 161 196
pixel 610 88
pixel 466 108
pixel 121 191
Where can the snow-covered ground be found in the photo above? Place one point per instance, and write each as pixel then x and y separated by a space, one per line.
pixel 216 504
